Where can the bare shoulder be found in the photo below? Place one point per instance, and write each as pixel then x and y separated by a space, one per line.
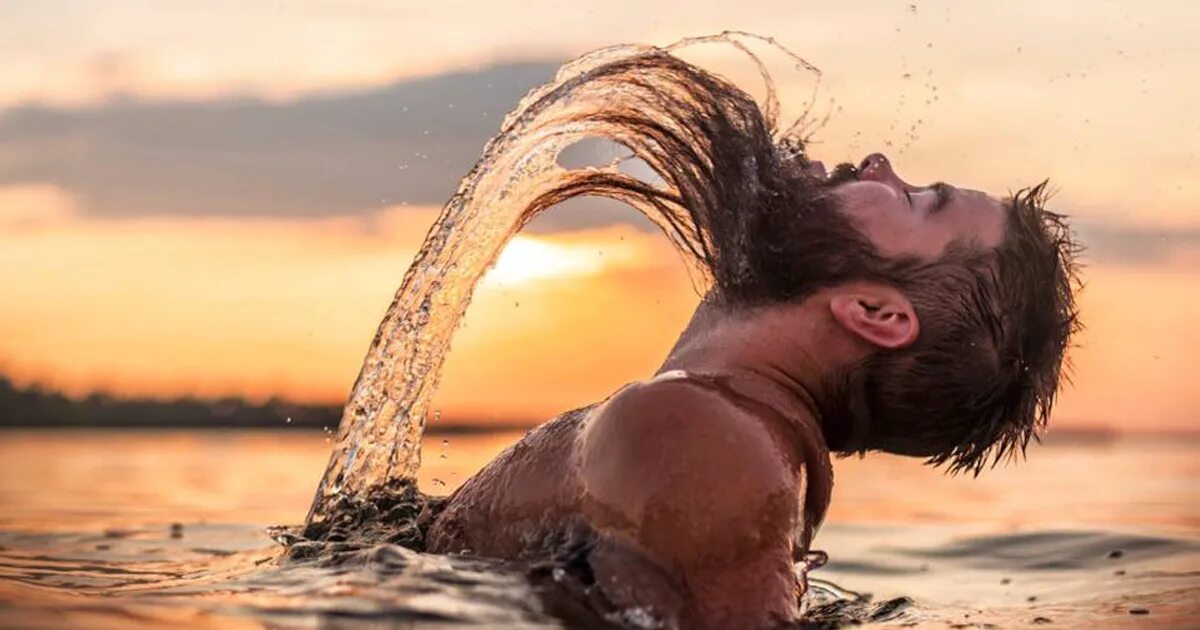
pixel 680 445
pixel 695 416
pixel 696 497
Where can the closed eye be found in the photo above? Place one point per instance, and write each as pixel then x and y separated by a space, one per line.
pixel 944 194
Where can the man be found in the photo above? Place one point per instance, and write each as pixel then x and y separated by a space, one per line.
pixel 849 313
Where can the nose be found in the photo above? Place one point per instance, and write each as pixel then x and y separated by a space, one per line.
pixel 877 168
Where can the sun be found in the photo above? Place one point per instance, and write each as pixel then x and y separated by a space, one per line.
pixel 528 259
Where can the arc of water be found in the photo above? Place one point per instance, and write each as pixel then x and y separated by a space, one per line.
pixel 516 178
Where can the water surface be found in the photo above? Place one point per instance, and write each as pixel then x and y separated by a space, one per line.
pixel 154 528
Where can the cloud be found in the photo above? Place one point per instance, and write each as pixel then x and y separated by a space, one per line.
pixel 322 154
pixel 1127 244
pixel 345 153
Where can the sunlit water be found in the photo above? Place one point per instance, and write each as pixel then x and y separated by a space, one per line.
pixel 1080 535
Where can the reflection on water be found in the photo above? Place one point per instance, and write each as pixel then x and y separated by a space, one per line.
pixel 1080 535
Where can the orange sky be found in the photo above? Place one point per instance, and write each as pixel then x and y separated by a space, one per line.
pixel 287 306
pixel 1093 95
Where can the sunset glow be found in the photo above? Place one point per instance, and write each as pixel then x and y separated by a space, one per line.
pixel 166 307
pixel 528 259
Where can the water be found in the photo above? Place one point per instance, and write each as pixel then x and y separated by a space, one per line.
pixel 147 529
pixel 86 538
pixel 642 98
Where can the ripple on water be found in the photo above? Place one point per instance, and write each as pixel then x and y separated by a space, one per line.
pixel 225 575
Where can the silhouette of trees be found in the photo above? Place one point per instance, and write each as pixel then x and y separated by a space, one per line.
pixel 35 406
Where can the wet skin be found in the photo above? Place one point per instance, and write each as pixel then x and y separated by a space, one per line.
pixel 901 218
pixel 698 489
pixel 693 489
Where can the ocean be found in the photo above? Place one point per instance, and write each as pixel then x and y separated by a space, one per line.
pixel 154 528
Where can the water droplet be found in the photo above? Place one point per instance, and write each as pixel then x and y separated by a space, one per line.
pixel 391 395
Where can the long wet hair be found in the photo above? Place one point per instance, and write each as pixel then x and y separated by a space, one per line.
pixel 980 380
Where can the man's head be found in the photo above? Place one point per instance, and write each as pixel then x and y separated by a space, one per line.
pixel 970 307
pixel 969 310
pixel 963 302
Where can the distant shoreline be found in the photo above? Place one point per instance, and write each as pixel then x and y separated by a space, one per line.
pixel 41 409
pixel 38 408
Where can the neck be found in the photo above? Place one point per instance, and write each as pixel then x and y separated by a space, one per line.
pixel 785 355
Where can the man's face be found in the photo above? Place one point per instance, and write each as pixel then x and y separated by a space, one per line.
pixel 902 219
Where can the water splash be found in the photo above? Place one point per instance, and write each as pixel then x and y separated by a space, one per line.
pixel 666 112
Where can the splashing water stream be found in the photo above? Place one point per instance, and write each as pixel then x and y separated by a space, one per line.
pixel 631 95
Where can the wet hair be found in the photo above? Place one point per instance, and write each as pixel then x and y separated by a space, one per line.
pixel 981 378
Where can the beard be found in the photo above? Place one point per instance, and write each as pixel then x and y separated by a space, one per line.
pixel 795 248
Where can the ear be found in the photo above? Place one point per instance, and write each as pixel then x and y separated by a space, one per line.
pixel 879 314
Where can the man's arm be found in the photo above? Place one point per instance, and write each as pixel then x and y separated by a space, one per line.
pixel 696 501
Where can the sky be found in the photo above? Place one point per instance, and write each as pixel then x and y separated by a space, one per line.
pixel 220 198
